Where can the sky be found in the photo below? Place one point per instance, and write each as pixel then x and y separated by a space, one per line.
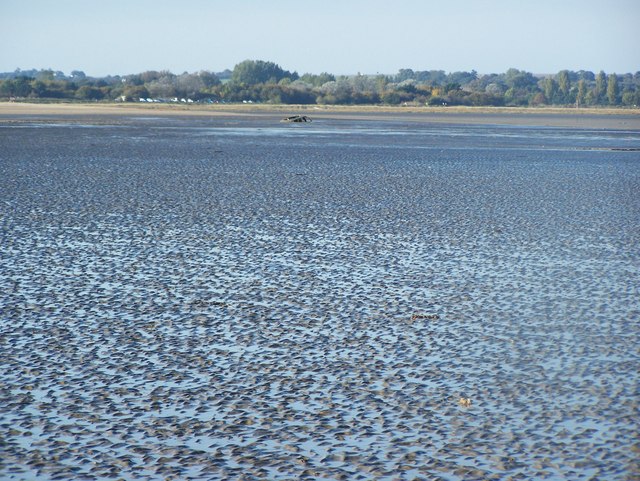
pixel 120 37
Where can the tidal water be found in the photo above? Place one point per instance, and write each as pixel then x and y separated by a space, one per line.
pixel 229 299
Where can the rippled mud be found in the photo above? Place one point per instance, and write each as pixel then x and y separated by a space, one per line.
pixel 243 299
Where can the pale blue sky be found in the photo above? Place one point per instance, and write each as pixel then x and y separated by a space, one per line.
pixel 338 36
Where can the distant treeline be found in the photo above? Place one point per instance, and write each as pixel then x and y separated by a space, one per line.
pixel 267 82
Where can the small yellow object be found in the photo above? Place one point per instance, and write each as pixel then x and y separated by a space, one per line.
pixel 465 401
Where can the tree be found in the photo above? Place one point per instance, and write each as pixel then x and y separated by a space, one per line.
pixel 462 78
pixel 325 77
pixel 564 85
pixel 317 80
pixel 46 75
pixel 164 87
pixel 550 88
pixel 586 75
pixel 612 89
pixel 513 97
pixel 54 89
pixel 404 74
pixel 381 82
pixel 431 77
pixel 134 92
pixel 451 87
pixel 582 92
pixel 209 79
pixel 495 88
pixel 601 84
pixel 251 72
pixel 266 81
pixel 522 87
pixel 538 99
pixel 78 75
pixel 18 87
pixel 150 75
pixel 408 86
pixel 517 79
pixel 189 85
pixel 391 98
pixel 87 92
pixel 630 98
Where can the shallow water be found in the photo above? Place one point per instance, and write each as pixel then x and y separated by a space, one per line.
pixel 213 299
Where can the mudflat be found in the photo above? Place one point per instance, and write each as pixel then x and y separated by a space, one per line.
pixel 584 118
pixel 208 297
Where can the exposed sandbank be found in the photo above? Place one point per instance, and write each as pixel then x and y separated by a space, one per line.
pixel 586 118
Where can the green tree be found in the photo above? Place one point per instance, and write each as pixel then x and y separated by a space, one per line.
pixel 522 87
pixel 209 79
pixel 391 98
pixel 78 75
pixel 54 89
pixel 586 75
pixel 135 92
pixel 462 78
pixel 431 77
pixel 87 92
pixel 521 80
pixel 451 87
pixel 252 72
pixel 46 75
pixel 189 85
pixel 630 98
pixel 405 74
pixel 150 75
pixel 612 89
pixel 550 88
pixel 600 88
pixel 582 92
pixel 538 99
pixel 318 80
pixel 564 85
pixel 495 88
pixel 18 87
pixel 163 87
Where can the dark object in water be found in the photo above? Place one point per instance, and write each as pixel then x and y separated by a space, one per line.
pixel 297 118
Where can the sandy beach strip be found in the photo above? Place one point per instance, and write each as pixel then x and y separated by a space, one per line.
pixel 587 118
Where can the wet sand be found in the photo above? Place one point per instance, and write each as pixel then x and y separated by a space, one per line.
pixel 550 117
pixel 228 297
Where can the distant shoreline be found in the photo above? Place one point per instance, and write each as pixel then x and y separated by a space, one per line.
pixel 583 118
